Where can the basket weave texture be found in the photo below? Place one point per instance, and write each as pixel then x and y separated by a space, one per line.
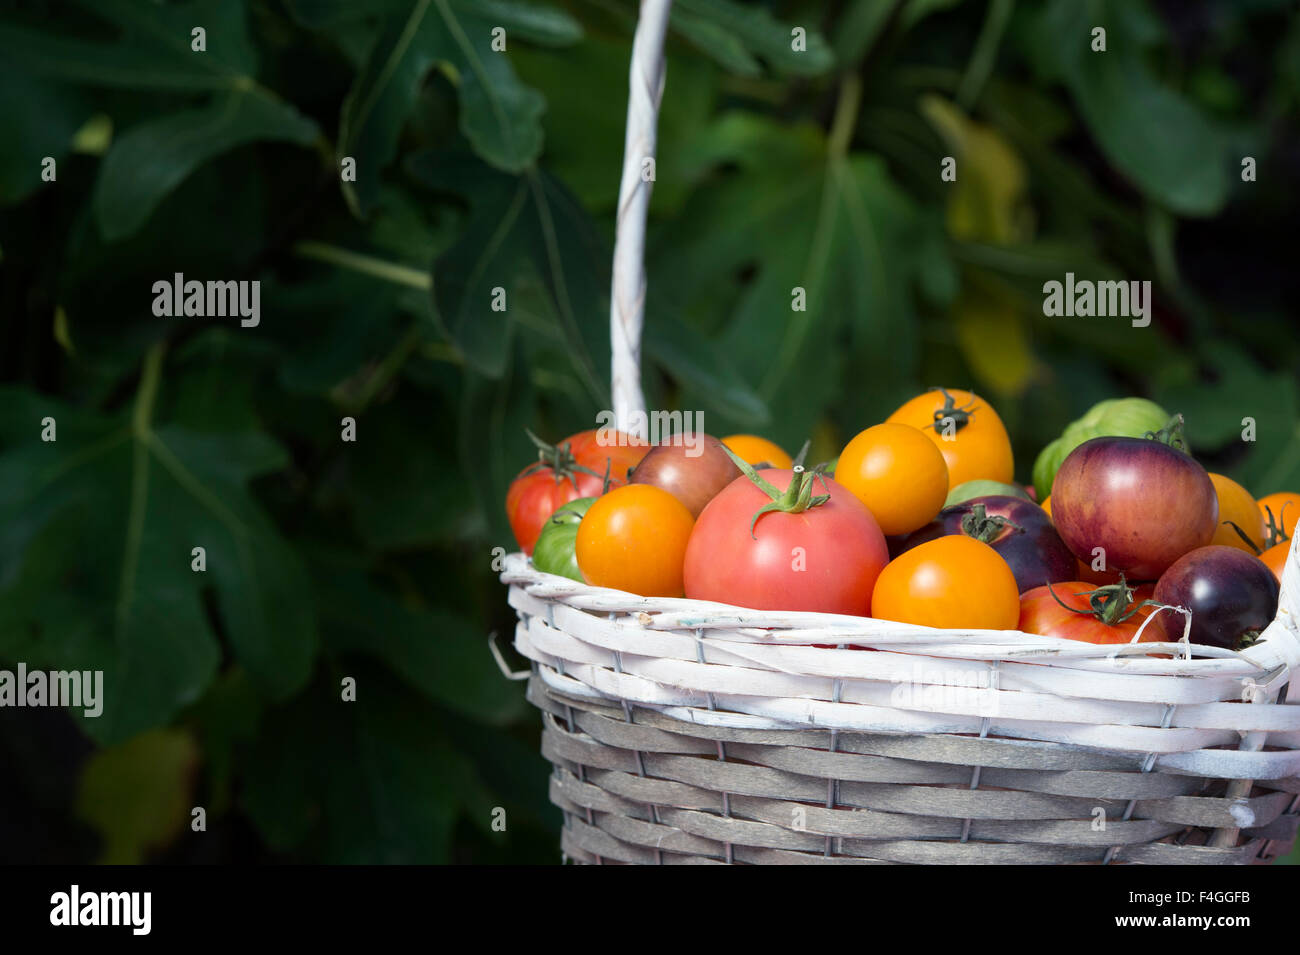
pixel 684 731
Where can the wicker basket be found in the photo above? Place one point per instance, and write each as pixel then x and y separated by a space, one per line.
pixel 685 731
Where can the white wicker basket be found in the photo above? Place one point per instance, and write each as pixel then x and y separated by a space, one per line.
pixel 686 731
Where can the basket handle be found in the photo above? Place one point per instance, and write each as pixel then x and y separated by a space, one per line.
pixel 627 295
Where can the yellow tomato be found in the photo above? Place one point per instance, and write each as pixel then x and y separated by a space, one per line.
pixel 898 473
pixel 953 582
pixel 752 449
pixel 634 538
pixel 966 430
pixel 1236 505
pixel 1285 507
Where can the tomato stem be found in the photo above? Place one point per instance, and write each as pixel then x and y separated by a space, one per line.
pixel 985 528
pixel 960 416
pixel 1244 536
pixel 796 498
pixel 1112 604
pixel 560 459
pixel 1171 434
pixel 1274 531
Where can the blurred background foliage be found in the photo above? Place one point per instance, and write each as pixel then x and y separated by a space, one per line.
pixel 475 168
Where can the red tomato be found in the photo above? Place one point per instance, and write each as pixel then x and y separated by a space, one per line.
pixel 824 559
pixel 1040 613
pixel 572 469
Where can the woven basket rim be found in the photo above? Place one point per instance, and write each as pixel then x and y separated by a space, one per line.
pixel 1279 645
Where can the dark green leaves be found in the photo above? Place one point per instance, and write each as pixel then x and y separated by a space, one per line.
pixel 97 563
pixel 39 120
pixel 152 49
pixel 526 235
pixel 498 115
pixel 738 36
pixel 367 782
pixel 1151 132
pixel 152 158
pixel 831 233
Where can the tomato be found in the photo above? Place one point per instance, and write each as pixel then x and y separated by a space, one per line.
pixel 1231 594
pixel 634 539
pixel 1047 505
pixel 755 450
pixel 1116 417
pixel 1285 509
pixel 966 430
pixel 951 582
pixel 1092 614
pixel 898 473
pixel 821 555
pixel 1016 528
pixel 572 469
pixel 555 552
pixel 691 467
pixel 1236 505
pixel 964 492
pixel 1143 501
pixel 1275 558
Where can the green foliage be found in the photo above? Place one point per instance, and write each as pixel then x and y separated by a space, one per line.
pixel 785 177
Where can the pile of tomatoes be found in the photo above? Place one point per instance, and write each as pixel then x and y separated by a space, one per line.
pixel 918 521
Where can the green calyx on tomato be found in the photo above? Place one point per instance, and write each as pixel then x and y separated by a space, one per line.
pixel 1171 434
pixel 986 528
pixel 959 416
pixel 1112 604
pixel 555 551
pixel 797 497
pixel 1274 532
pixel 1114 417
pixel 561 460
pixel 1255 548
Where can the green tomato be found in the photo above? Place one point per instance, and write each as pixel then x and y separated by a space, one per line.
pixel 1120 417
pixel 555 551
pixel 969 489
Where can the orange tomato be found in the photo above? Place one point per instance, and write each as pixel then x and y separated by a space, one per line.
pixel 1237 505
pixel 949 582
pixel 634 538
pixel 752 449
pixel 1285 507
pixel 966 430
pixel 1047 505
pixel 898 473
pixel 1275 558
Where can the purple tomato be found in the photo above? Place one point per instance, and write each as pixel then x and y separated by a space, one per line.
pixel 1144 502
pixel 1232 596
pixel 1018 529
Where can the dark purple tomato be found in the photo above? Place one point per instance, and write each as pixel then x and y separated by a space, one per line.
pixel 1016 528
pixel 1232 596
pixel 692 468
pixel 1144 502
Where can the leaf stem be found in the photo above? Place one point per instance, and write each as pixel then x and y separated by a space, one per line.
pixel 365 264
pixel 846 113
pixel 986 51
pixel 150 375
